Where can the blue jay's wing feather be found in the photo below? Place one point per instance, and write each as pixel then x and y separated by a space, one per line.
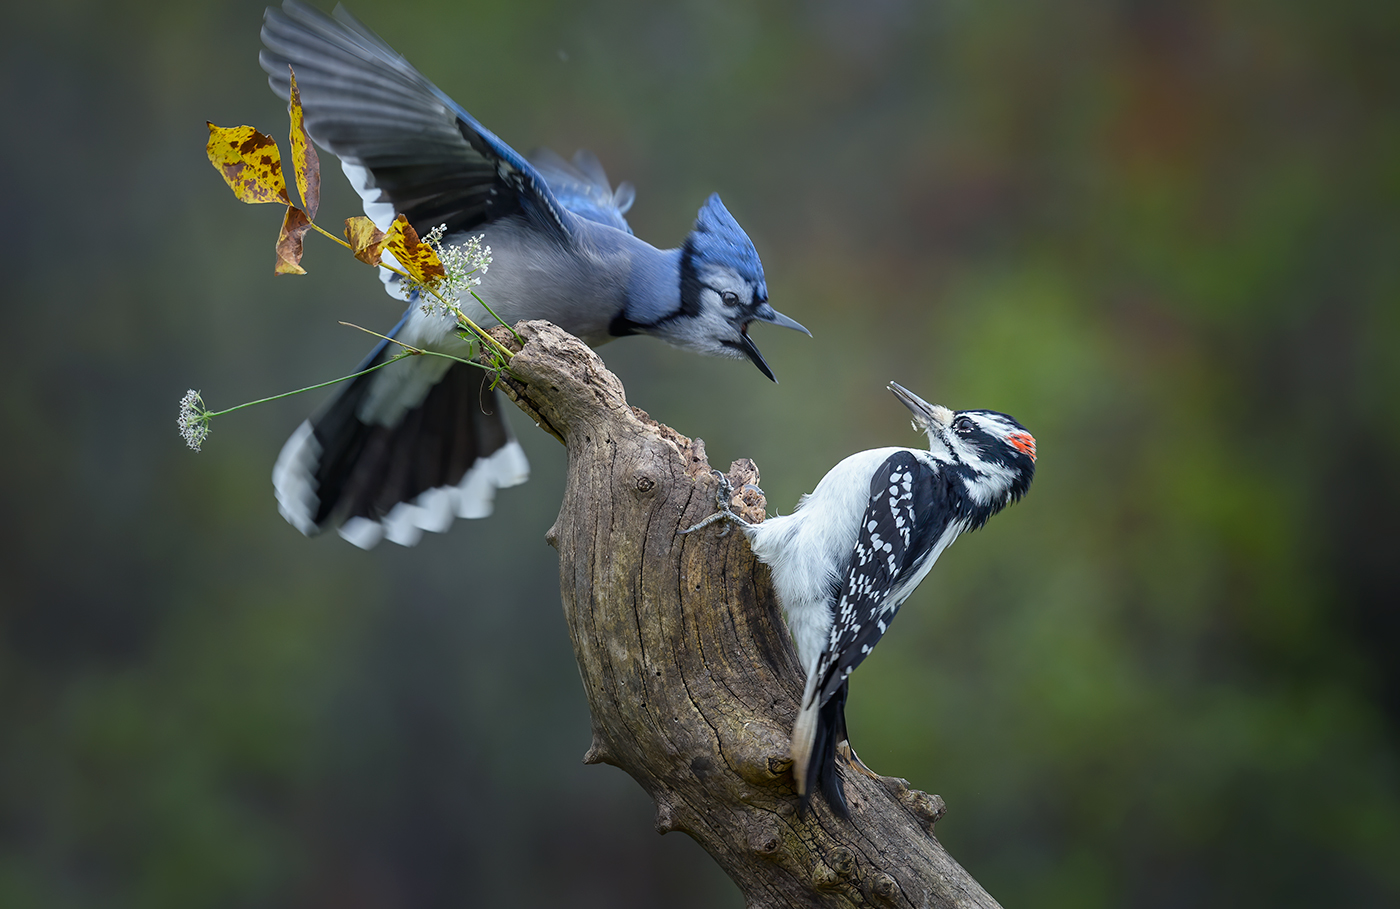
pixel 899 529
pixel 410 148
pixel 427 464
pixel 582 187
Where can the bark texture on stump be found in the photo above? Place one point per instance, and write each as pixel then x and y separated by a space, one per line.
pixel 691 676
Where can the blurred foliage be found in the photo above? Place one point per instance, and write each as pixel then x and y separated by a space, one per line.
pixel 1161 234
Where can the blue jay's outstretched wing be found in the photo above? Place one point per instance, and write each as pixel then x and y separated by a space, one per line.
pixel 406 146
pixel 582 187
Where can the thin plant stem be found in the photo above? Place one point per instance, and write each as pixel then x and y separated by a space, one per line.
pixel 415 351
pixel 321 230
pixel 408 347
pixel 461 317
pixel 498 318
pixel 504 351
pixel 288 394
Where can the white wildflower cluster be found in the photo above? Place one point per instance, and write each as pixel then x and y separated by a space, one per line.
pixel 194 419
pixel 464 263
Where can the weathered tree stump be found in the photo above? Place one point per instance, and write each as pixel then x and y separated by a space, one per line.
pixel 691 676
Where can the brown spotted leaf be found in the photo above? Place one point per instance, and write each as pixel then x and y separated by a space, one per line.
pixel 304 160
pixel 250 163
pixel 365 239
pixel 294 227
pixel 416 258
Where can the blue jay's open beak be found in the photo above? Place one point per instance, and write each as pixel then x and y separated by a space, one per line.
pixel 750 350
pixel 765 313
pixel 926 416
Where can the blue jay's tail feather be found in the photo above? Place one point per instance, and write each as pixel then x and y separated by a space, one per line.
pixel 440 460
pixel 820 727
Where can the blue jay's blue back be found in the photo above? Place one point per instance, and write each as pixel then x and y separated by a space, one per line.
pixel 414 446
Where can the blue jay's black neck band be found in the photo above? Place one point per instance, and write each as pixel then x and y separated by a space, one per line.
pixel 621 326
pixel 690 281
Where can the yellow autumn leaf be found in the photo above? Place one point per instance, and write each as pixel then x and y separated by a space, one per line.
pixel 416 258
pixel 365 239
pixel 294 228
pixel 250 163
pixel 305 162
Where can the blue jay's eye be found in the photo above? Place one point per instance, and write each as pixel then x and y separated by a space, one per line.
pixel 730 298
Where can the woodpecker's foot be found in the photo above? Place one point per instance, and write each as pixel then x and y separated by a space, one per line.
pixel 723 497
pixel 845 750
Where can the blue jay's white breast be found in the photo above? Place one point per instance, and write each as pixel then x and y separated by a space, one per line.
pixel 580 289
pixel 810 550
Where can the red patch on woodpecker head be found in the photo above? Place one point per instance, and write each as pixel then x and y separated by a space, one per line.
pixel 1023 442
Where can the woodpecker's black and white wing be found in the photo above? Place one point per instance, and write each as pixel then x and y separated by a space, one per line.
pixel 898 543
pixel 908 520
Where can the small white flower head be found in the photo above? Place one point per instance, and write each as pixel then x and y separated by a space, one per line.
pixel 194 419
pixel 464 264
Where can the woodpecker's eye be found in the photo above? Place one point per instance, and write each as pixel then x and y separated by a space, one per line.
pixel 963 425
pixel 730 298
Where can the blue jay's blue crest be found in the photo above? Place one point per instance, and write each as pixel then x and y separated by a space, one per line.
pixel 722 291
pixel 719 240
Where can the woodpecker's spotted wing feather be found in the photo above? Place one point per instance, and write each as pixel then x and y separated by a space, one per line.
pixel 407 146
pixel 899 528
pixel 905 518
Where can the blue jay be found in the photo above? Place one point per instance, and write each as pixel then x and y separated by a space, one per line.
pixel 859 544
pixel 414 446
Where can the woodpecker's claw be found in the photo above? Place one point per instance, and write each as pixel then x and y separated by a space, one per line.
pixel 725 513
pixel 845 750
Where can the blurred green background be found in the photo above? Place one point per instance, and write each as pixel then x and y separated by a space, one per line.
pixel 1164 235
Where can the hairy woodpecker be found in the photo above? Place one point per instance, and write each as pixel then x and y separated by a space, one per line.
pixel 858 545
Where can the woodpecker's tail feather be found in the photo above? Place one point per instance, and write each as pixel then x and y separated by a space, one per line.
pixel 815 735
pixel 804 733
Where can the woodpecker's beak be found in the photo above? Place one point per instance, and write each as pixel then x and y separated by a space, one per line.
pixel 766 313
pixel 926 416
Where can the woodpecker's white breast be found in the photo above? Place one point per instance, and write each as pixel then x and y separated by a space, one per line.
pixel 809 551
